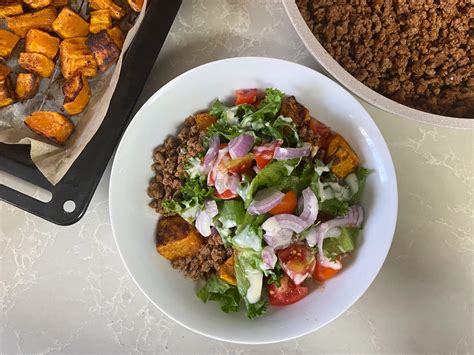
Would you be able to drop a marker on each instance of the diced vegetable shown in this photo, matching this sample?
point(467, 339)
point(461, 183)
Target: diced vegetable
point(286, 205)
point(51, 125)
point(38, 41)
point(117, 36)
point(104, 49)
point(4, 71)
point(8, 42)
point(287, 293)
point(10, 8)
point(204, 120)
point(37, 4)
point(322, 273)
point(115, 11)
point(298, 262)
point(136, 5)
point(76, 94)
point(76, 58)
point(41, 19)
point(7, 95)
point(70, 24)
point(36, 63)
point(344, 160)
point(100, 20)
point(226, 271)
point(320, 130)
point(27, 85)
point(176, 238)
point(294, 110)
point(245, 96)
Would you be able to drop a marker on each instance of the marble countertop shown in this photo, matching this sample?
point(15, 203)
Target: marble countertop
point(65, 290)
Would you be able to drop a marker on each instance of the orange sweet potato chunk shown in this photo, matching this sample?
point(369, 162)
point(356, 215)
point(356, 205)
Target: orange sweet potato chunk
point(226, 271)
point(76, 94)
point(38, 41)
point(70, 24)
point(27, 85)
point(41, 19)
point(8, 42)
point(344, 159)
point(51, 125)
point(36, 63)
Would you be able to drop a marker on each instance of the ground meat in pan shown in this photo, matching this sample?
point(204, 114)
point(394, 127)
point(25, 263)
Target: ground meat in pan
point(211, 255)
point(169, 163)
point(419, 53)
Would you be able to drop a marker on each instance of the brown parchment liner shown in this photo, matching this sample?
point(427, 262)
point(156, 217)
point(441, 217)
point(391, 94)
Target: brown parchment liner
point(54, 161)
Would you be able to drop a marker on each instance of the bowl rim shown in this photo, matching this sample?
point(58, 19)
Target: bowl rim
point(356, 87)
point(115, 172)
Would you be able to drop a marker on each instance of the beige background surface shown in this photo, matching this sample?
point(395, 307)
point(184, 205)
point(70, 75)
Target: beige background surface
point(64, 289)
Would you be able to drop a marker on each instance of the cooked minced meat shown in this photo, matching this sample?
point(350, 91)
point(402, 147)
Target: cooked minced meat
point(419, 53)
point(211, 255)
point(170, 159)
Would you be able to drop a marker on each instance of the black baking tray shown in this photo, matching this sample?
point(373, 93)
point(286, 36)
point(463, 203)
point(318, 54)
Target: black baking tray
point(81, 180)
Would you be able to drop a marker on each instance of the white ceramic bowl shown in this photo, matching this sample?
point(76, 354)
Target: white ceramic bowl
point(358, 88)
point(134, 222)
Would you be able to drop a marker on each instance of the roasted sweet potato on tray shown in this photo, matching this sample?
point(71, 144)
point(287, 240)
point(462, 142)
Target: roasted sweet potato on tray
point(37, 4)
point(104, 49)
point(8, 42)
point(136, 5)
point(226, 271)
point(10, 8)
point(204, 120)
point(59, 3)
point(76, 94)
point(100, 20)
point(27, 85)
point(41, 19)
point(51, 125)
point(7, 96)
point(294, 110)
point(117, 36)
point(70, 24)
point(36, 63)
point(76, 58)
point(4, 71)
point(38, 41)
point(115, 11)
point(177, 238)
point(344, 159)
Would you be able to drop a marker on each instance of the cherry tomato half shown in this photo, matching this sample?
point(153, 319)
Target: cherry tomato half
point(240, 165)
point(226, 195)
point(287, 204)
point(264, 154)
point(322, 273)
point(298, 261)
point(245, 96)
point(287, 293)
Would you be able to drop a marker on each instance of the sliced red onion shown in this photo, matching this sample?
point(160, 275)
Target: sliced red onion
point(265, 200)
point(290, 153)
point(268, 147)
point(274, 224)
point(203, 223)
point(317, 234)
point(226, 181)
point(211, 208)
point(279, 240)
point(222, 155)
point(211, 152)
point(241, 145)
point(310, 206)
point(269, 258)
point(233, 182)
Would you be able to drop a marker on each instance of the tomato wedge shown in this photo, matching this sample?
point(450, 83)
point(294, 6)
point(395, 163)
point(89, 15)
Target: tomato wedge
point(245, 96)
point(240, 165)
point(226, 195)
point(264, 154)
point(321, 130)
point(287, 293)
point(298, 261)
point(322, 273)
point(287, 204)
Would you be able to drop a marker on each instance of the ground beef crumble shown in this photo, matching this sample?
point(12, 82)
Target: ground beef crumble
point(211, 255)
point(419, 53)
point(170, 160)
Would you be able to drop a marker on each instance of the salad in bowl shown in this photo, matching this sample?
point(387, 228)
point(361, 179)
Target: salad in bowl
point(258, 200)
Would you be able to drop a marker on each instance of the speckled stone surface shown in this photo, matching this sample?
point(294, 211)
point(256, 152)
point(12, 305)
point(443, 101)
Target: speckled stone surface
point(65, 290)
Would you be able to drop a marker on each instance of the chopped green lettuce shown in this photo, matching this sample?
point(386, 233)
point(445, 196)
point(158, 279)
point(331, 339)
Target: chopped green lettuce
point(344, 243)
point(231, 213)
point(361, 174)
point(217, 290)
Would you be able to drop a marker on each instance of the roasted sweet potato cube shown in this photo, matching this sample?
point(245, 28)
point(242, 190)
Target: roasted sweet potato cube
point(177, 238)
point(4, 71)
point(115, 11)
point(344, 159)
point(41, 19)
point(51, 125)
point(36, 63)
point(100, 20)
point(38, 41)
point(76, 58)
point(10, 8)
point(59, 3)
point(76, 94)
point(27, 85)
point(226, 271)
point(136, 5)
point(37, 4)
point(294, 110)
point(8, 42)
point(204, 120)
point(70, 24)
point(104, 49)
point(117, 36)
point(7, 96)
